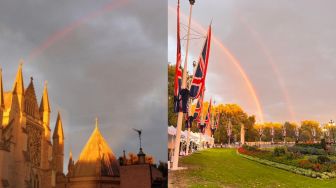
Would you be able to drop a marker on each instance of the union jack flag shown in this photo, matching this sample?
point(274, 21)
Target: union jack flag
point(198, 109)
point(201, 127)
point(178, 69)
point(198, 80)
point(208, 116)
point(188, 121)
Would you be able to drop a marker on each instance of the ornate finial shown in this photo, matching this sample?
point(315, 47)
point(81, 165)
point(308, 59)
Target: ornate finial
point(139, 131)
point(21, 62)
point(192, 2)
point(31, 79)
point(70, 153)
point(96, 122)
point(46, 83)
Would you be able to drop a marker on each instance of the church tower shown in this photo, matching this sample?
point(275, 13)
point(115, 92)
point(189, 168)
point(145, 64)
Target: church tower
point(58, 146)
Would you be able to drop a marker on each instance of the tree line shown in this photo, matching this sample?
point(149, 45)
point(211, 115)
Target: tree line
point(232, 117)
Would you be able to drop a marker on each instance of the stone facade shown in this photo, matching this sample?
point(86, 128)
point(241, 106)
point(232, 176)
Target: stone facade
point(25, 146)
point(28, 158)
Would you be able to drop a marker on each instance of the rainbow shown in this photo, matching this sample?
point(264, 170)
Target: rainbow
point(62, 33)
point(270, 60)
point(236, 63)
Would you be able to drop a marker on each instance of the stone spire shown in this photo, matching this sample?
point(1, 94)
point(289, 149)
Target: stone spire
point(58, 146)
point(58, 132)
point(45, 111)
point(71, 165)
point(44, 105)
point(96, 125)
point(30, 100)
point(18, 87)
point(70, 154)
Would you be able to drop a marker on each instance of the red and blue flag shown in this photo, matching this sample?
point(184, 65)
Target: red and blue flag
point(178, 70)
point(198, 109)
point(198, 80)
point(208, 116)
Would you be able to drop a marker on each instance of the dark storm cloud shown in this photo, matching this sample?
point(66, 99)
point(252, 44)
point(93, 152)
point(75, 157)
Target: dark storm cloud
point(298, 35)
point(111, 66)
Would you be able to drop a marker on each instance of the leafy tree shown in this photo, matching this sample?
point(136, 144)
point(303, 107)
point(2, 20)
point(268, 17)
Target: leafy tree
point(233, 113)
point(308, 127)
point(290, 129)
point(172, 116)
point(277, 131)
point(251, 134)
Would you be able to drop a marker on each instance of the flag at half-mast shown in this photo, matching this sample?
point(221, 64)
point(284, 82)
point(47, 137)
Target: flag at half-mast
point(178, 69)
point(208, 115)
point(199, 105)
point(198, 80)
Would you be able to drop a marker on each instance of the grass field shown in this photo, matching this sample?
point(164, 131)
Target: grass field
point(224, 168)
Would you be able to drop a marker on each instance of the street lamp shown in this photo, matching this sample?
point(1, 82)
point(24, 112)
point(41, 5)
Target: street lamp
point(314, 134)
point(284, 133)
point(332, 126)
point(229, 132)
point(297, 133)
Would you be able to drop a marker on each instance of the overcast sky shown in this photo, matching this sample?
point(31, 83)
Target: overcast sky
point(286, 48)
point(105, 60)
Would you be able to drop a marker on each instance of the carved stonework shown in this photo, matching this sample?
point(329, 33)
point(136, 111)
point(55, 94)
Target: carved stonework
point(6, 136)
point(34, 144)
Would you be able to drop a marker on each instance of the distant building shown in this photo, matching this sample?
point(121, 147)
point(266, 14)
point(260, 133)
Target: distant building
point(28, 158)
point(96, 167)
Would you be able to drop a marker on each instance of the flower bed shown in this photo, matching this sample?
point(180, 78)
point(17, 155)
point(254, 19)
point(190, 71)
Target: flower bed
point(318, 167)
point(307, 150)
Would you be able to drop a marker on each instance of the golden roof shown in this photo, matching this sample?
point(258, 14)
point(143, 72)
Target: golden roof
point(97, 158)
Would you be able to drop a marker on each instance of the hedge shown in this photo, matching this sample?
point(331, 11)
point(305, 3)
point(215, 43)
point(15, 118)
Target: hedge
point(296, 170)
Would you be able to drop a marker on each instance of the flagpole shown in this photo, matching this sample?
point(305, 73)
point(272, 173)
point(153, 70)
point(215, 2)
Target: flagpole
point(184, 84)
point(188, 138)
point(202, 120)
point(189, 126)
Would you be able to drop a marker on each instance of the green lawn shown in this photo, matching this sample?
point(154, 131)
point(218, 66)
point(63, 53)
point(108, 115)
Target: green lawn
point(224, 168)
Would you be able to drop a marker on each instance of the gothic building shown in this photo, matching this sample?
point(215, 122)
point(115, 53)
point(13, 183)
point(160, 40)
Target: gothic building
point(31, 158)
point(26, 151)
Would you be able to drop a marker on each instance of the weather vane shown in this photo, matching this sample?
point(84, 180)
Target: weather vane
point(139, 133)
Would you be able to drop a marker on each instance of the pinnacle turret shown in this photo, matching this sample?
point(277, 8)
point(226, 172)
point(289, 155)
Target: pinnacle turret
point(44, 105)
point(58, 132)
point(18, 87)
